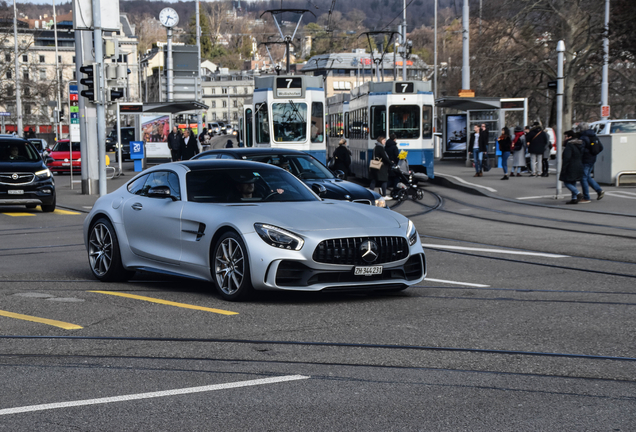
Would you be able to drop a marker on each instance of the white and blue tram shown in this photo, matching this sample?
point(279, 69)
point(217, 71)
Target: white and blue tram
point(404, 108)
point(337, 109)
point(286, 112)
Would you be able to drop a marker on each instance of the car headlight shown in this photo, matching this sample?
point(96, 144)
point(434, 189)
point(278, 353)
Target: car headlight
point(411, 233)
point(44, 174)
point(380, 202)
point(278, 237)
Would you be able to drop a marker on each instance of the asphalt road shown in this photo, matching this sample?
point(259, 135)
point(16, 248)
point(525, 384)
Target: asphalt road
point(525, 322)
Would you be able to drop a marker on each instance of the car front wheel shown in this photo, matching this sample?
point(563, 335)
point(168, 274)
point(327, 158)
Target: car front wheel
point(231, 268)
point(104, 255)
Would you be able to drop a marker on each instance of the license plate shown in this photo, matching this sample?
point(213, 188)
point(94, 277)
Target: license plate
point(368, 271)
point(16, 192)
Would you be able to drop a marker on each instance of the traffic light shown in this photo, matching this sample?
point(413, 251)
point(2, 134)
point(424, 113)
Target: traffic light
point(61, 114)
point(92, 77)
point(115, 94)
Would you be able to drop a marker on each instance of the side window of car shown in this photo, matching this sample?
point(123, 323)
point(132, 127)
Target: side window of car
point(226, 156)
point(163, 178)
point(135, 187)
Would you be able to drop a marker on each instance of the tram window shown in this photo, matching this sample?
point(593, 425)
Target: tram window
point(378, 121)
point(404, 121)
point(427, 122)
point(346, 125)
point(248, 128)
point(317, 123)
point(262, 124)
point(289, 121)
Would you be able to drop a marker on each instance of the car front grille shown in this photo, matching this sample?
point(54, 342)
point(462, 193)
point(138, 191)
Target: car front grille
point(16, 178)
point(347, 250)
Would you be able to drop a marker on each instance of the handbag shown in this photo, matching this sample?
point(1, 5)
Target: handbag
point(485, 163)
point(375, 163)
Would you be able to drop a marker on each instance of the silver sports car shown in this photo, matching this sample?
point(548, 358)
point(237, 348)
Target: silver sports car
point(247, 225)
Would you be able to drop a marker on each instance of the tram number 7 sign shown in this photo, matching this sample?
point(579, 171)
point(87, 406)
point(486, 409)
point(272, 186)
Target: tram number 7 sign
point(404, 87)
point(286, 87)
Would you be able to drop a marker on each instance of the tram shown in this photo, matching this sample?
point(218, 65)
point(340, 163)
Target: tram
point(286, 112)
point(404, 108)
point(337, 110)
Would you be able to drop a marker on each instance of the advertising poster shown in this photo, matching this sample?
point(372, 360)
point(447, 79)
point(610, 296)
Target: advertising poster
point(154, 131)
point(456, 138)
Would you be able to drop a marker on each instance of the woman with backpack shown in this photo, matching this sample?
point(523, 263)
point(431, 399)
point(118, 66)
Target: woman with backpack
point(518, 151)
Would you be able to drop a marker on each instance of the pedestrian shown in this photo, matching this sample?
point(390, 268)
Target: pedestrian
point(29, 133)
point(475, 147)
point(204, 138)
point(175, 141)
point(392, 152)
point(572, 168)
point(380, 175)
point(505, 145)
point(545, 163)
point(342, 157)
point(190, 146)
point(592, 147)
point(518, 151)
point(229, 144)
point(536, 140)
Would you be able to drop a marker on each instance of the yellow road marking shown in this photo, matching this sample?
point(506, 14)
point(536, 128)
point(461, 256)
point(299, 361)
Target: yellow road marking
point(62, 324)
point(65, 212)
point(166, 302)
point(18, 214)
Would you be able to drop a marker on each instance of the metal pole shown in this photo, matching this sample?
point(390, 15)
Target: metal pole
point(435, 70)
point(98, 47)
point(465, 48)
point(605, 83)
point(119, 141)
point(18, 97)
point(404, 42)
point(559, 95)
point(198, 76)
point(170, 87)
point(57, 80)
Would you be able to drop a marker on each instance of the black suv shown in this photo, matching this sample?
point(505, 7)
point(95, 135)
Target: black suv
point(24, 178)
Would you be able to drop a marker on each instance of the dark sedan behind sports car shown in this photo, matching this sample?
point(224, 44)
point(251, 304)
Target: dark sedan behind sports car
point(305, 167)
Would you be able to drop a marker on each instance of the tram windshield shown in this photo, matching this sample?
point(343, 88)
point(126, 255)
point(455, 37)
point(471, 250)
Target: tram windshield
point(404, 121)
point(290, 121)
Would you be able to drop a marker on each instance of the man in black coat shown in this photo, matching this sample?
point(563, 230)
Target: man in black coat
point(392, 152)
point(572, 168)
point(175, 141)
point(537, 140)
point(592, 147)
point(190, 145)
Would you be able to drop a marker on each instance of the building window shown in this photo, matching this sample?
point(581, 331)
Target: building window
point(27, 108)
point(224, 104)
point(213, 104)
point(246, 90)
point(25, 58)
point(43, 74)
point(9, 90)
point(235, 102)
point(213, 116)
point(74, 75)
point(9, 75)
point(44, 110)
point(235, 116)
point(59, 59)
point(42, 60)
point(7, 57)
point(235, 90)
point(27, 91)
point(73, 59)
point(224, 90)
point(25, 75)
point(213, 90)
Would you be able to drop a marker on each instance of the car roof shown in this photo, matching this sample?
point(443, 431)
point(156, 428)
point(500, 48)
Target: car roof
point(8, 137)
point(205, 164)
point(254, 151)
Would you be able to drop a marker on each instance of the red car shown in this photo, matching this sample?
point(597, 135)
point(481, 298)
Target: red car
point(59, 159)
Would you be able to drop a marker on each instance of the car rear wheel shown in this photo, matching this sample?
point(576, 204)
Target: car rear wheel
point(231, 268)
point(104, 254)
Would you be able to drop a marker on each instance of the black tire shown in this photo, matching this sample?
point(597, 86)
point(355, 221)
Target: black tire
point(230, 268)
point(104, 256)
point(50, 208)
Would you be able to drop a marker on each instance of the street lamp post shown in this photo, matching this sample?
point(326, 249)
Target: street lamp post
point(58, 126)
point(559, 95)
point(18, 97)
point(605, 83)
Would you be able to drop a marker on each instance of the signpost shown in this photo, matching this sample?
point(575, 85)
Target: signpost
point(605, 111)
point(137, 154)
point(73, 103)
point(3, 115)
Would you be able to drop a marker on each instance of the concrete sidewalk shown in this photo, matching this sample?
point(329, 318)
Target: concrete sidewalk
point(531, 190)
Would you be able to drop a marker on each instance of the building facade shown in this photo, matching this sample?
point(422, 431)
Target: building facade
point(225, 95)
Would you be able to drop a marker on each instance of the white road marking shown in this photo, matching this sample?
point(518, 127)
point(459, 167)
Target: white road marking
point(175, 392)
point(465, 182)
point(544, 196)
point(501, 251)
point(621, 194)
point(456, 283)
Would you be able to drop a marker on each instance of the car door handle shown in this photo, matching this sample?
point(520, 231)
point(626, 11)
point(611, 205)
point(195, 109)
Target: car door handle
point(137, 206)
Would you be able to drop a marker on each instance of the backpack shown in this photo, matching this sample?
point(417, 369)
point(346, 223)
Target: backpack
point(595, 146)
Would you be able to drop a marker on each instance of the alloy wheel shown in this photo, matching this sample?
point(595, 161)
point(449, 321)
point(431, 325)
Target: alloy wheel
point(100, 249)
point(229, 264)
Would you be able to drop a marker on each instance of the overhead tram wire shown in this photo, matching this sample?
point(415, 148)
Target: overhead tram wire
point(326, 344)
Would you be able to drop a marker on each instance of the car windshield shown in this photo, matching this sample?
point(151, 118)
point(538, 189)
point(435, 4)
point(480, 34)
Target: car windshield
point(16, 151)
point(623, 127)
point(63, 146)
point(304, 167)
point(290, 121)
point(245, 186)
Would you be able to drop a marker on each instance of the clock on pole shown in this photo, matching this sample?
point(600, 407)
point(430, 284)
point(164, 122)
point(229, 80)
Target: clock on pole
point(168, 17)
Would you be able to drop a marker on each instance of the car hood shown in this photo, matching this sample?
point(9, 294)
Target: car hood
point(11, 167)
point(322, 215)
point(338, 189)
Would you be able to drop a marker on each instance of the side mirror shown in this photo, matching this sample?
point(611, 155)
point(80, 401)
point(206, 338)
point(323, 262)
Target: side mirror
point(340, 174)
point(319, 189)
point(160, 192)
